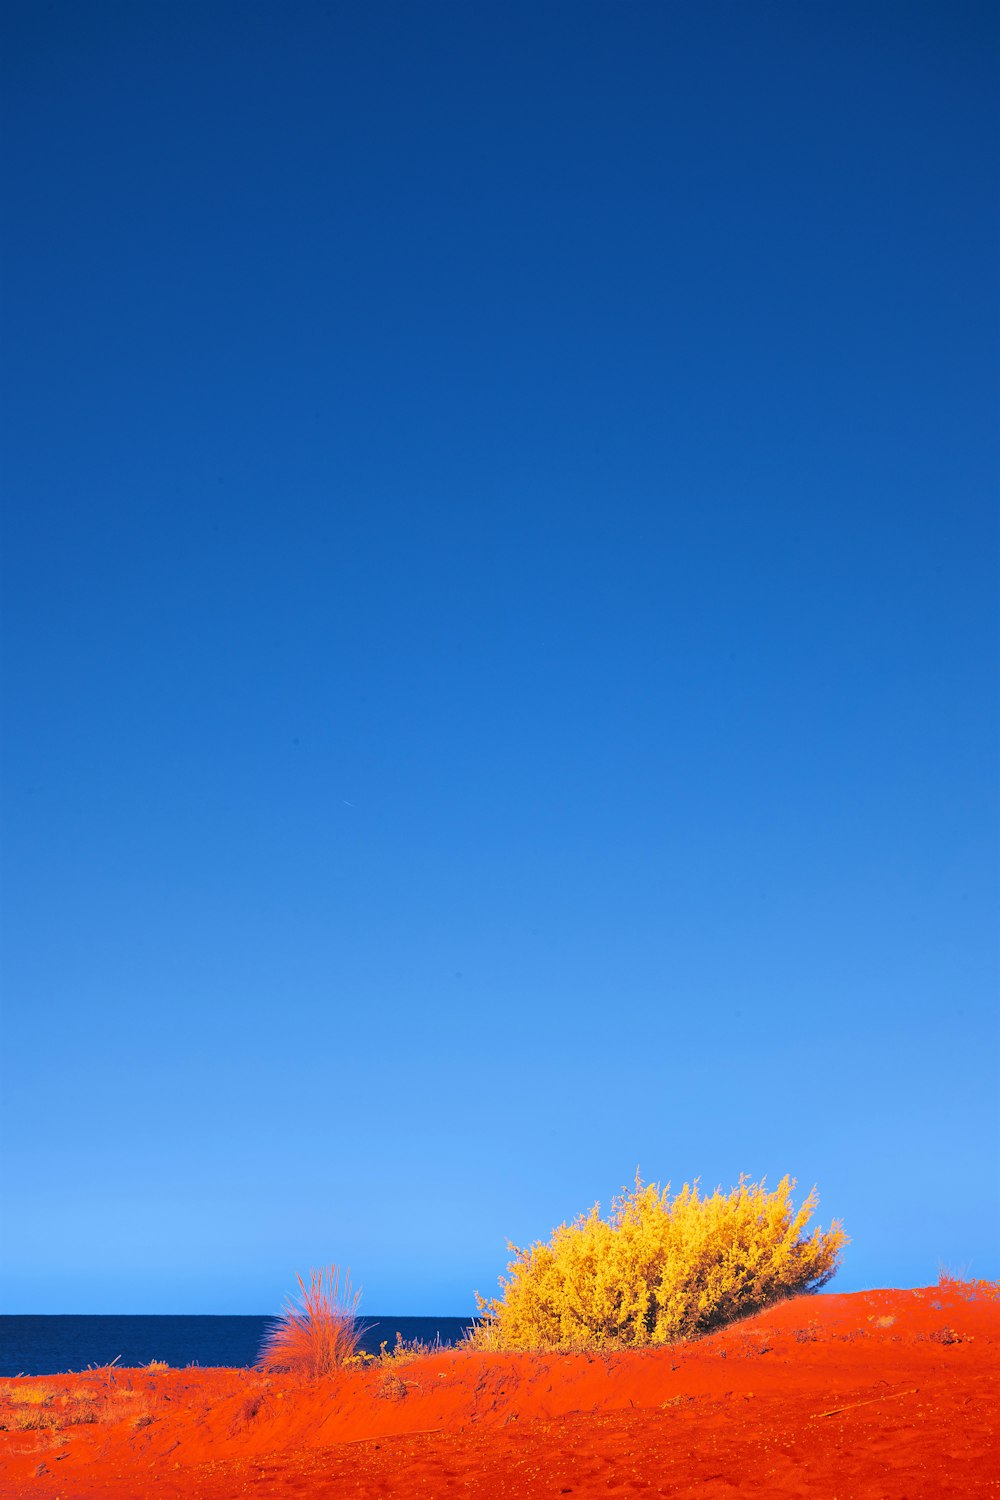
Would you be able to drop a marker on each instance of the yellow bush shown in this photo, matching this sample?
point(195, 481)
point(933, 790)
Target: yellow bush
point(658, 1270)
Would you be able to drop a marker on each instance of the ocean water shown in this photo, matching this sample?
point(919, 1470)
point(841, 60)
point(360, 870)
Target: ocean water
point(50, 1345)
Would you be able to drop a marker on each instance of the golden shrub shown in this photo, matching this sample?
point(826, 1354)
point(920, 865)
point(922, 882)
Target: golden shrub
point(658, 1270)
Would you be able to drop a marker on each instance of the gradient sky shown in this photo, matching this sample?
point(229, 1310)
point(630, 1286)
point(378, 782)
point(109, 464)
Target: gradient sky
point(500, 634)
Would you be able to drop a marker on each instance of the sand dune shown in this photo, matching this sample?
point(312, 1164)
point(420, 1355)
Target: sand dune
point(876, 1394)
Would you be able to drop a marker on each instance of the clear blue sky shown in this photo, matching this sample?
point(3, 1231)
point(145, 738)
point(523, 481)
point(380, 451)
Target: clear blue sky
point(500, 634)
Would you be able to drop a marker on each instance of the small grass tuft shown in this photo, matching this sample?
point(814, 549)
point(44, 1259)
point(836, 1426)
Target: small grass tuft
point(81, 1415)
point(392, 1388)
point(318, 1332)
point(250, 1408)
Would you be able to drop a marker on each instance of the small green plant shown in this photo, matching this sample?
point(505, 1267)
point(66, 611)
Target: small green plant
point(659, 1270)
point(318, 1331)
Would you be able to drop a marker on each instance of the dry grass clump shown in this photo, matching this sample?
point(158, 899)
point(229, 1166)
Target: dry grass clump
point(32, 1395)
point(81, 1414)
point(28, 1419)
point(318, 1331)
point(249, 1410)
point(392, 1387)
point(658, 1270)
point(35, 1408)
point(142, 1413)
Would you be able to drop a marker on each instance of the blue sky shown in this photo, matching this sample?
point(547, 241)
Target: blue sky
point(499, 602)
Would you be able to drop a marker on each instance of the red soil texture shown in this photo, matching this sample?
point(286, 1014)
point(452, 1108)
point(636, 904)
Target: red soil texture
point(870, 1394)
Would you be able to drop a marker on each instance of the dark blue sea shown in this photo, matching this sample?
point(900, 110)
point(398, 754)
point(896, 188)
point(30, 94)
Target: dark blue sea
point(37, 1345)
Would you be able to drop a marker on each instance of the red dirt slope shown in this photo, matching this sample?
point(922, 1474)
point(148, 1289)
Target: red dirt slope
point(879, 1394)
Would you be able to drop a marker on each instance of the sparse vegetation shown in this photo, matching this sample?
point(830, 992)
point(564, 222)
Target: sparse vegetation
point(28, 1419)
point(945, 1336)
point(659, 1270)
point(33, 1395)
point(959, 1284)
point(35, 1407)
point(318, 1331)
point(406, 1349)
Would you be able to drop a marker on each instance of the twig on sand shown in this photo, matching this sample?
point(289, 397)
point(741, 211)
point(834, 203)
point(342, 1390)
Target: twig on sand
point(890, 1396)
point(381, 1437)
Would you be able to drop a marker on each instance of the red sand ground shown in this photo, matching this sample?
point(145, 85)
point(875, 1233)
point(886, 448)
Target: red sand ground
point(885, 1394)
